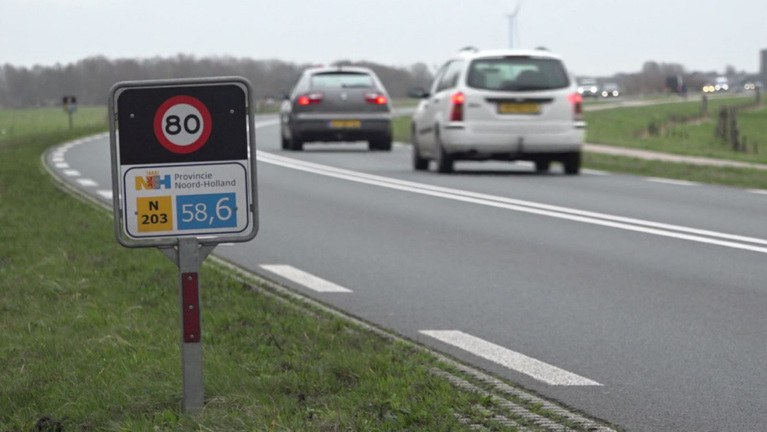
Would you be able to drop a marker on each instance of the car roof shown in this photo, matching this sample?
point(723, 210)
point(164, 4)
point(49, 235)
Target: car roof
point(473, 54)
point(354, 69)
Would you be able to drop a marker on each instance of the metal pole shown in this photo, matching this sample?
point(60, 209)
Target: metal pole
point(191, 328)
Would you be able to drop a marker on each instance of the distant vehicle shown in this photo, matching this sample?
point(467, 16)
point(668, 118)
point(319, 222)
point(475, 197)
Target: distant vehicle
point(499, 105)
point(674, 84)
point(610, 90)
point(721, 84)
point(338, 103)
point(588, 87)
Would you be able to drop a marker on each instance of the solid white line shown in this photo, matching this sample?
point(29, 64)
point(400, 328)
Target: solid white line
point(105, 194)
point(87, 182)
point(72, 173)
point(308, 280)
point(61, 165)
point(671, 182)
point(510, 359)
point(601, 219)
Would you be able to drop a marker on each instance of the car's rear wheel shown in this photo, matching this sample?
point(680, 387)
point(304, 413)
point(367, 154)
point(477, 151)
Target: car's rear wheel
point(419, 163)
point(283, 139)
point(444, 160)
point(542, 166)
point(572, 163)
point(380, 144)
point(296, 144)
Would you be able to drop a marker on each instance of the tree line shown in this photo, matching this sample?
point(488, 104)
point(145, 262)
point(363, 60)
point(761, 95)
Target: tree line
point(90, 79)
point(652, 77)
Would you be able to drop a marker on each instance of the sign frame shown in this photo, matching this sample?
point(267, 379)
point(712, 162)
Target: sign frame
point(118, 185)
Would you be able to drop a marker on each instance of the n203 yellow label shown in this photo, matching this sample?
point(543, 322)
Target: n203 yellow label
point(154, 214)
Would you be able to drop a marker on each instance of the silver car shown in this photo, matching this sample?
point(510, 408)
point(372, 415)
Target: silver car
point(337, 104)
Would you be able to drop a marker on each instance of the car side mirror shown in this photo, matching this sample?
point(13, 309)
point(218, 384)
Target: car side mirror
point(418, 93)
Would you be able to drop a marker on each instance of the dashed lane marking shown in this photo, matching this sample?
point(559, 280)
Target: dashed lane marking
point(310, 281)
point(671, 182)
point(87, 182)
point(72, 173)
point(107, 194)
point(510, 359)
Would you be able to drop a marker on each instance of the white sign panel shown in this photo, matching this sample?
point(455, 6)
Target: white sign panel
point(186, 200)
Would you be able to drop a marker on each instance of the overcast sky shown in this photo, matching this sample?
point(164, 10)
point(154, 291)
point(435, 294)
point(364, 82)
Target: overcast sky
point(596, 37)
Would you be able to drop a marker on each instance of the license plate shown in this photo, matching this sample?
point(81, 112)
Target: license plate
point(518, 108)
point(344, 124)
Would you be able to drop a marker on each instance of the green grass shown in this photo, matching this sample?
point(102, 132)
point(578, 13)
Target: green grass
point(628, 127)
point(726, 176)
point(90, 335)
point(15, 124)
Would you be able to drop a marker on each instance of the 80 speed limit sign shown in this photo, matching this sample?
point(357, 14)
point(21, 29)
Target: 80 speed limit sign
point(182, 124)
point(183, 155)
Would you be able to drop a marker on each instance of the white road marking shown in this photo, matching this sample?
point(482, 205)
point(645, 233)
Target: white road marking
point(61, 165)
point(594, 172)
point(601, 219)
point(757, 191)
point(105, 194)
point(308, 280)
point(72, 173)
point(510, 359)
point(671, 182)
point(87, 182)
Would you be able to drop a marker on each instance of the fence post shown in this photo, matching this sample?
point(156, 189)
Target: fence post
point(734, 130)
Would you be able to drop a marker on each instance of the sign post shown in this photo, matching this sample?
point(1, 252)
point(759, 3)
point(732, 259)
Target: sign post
point(70, 106)
point(184, 180)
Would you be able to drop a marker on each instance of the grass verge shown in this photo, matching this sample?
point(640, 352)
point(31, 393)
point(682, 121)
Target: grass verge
point(678, 128)
point(90, 335)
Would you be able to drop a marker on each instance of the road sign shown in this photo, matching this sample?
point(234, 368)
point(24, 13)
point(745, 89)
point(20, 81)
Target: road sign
point(183, 180)
point(183, 165)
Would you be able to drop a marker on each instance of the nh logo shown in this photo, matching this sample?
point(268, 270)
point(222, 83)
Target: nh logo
point(153, 180)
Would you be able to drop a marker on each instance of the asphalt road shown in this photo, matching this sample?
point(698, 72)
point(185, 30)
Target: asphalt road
point(639, 302)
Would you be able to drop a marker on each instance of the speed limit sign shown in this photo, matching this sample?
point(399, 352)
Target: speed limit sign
point(182, 124)
point(183, 161)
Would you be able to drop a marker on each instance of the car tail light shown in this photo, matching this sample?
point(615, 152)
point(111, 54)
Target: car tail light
point(577, 101)
point(457, 100)
point(310, 99)
point(376, 98)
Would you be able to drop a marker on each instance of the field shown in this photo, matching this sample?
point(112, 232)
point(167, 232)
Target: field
point(678, 128)
point(15, 124)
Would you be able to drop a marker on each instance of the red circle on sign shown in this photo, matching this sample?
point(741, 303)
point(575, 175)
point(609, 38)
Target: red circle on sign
point(206, 124)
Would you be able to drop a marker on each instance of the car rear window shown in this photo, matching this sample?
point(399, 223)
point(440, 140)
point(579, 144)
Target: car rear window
point(342, 79)
point(517, 74)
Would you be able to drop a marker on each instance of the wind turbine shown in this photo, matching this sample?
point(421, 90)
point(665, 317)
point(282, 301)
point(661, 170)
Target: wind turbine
point(513, 31)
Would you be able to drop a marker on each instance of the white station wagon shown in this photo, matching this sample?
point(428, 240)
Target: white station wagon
point(500, 105)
